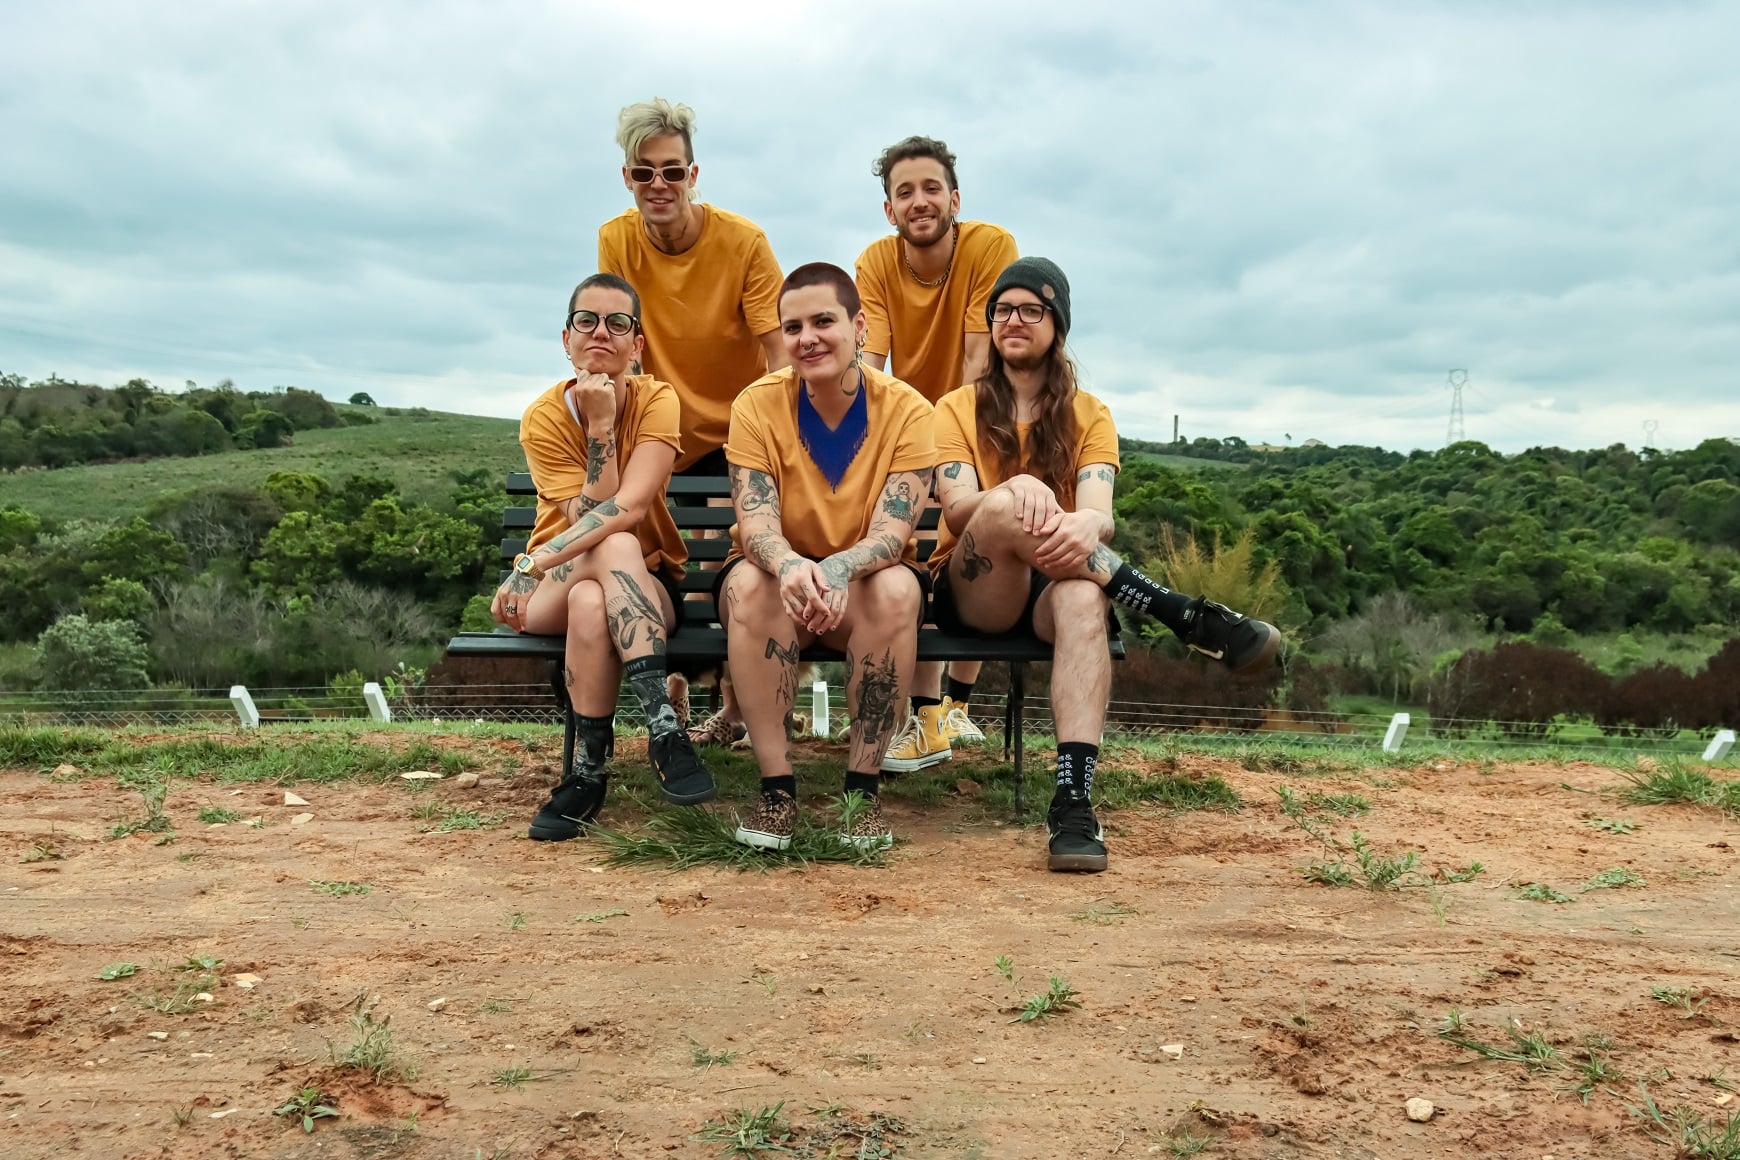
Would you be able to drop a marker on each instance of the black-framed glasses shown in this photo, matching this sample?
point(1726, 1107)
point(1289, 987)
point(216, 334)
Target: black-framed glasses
point(1032, 313)
point(618, 323)
point(673, 174)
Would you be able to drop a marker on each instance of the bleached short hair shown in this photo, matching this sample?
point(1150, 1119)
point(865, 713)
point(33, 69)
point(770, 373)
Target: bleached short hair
point(654, 118)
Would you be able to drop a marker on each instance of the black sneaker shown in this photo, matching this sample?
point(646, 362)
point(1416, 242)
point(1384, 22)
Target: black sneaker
point(575, 802)
point(1232, 638)
point(684, 779)
point(1077, 842)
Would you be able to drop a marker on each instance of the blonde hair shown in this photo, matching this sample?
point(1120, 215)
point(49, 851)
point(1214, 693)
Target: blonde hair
point(654, 118)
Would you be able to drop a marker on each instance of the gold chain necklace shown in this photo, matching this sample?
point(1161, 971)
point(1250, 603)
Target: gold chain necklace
point(954, 244)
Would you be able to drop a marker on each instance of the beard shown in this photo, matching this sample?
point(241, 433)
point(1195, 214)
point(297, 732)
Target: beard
point(945, 226)
point(1027, 361)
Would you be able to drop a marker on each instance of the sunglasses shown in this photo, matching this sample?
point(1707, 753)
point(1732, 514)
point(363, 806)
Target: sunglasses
point(673, 174)
point(586, 321)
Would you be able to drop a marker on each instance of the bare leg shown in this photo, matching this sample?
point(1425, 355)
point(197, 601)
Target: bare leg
point(592, 672)
point(1071, 615)
point(880, 638)
point(762, 646)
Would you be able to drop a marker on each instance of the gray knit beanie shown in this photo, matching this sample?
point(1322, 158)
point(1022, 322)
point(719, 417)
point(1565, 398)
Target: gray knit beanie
point(1041, 276)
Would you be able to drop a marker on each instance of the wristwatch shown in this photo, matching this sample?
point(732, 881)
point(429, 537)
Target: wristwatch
point(527, 565)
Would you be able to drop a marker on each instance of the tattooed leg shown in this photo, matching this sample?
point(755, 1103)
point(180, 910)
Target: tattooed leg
point(880, 638)
point(593, 674)
point(762, 645)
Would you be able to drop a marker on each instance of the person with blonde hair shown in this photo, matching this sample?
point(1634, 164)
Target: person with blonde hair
point(1025, 465)
point(709, 288)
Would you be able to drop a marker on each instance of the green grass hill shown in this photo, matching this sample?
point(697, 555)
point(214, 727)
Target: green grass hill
point(416, 449)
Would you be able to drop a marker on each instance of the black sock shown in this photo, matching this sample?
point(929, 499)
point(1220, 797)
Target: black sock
point(960, 692)
point(646, 676)
point(919, 702)
point(785, 783)
point(865, 783)
point(1135, 591)
point(594, 736)
point(1075, 768)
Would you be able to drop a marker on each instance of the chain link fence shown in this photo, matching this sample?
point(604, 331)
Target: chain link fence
point(534, 704)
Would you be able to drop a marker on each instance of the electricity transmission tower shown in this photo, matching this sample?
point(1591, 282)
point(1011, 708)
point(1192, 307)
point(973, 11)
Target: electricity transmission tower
point(1649, 429)
point(1457, 433)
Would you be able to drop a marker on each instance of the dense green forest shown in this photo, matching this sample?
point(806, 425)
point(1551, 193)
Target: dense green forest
point(283, 565)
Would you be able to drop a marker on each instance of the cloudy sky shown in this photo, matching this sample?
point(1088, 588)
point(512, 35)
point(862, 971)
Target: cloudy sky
point(1280, 219)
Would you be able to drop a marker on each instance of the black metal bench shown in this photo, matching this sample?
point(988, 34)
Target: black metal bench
point(701, 639)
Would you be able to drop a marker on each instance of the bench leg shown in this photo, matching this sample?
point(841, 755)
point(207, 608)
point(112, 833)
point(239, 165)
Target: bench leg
point(1017, 730)
point(570, 726)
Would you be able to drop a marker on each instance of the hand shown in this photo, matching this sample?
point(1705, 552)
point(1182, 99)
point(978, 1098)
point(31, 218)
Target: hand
point(1070, 543)
point(837, 577)
point(1036, 508)
point(595, 399)
point(801, 592)
point(512, 601)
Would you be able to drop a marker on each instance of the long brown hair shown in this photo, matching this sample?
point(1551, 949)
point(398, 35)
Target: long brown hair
point(1050, 440)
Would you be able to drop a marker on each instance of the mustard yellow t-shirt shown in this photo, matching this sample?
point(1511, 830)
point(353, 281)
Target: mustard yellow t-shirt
point(701, 311)
point(1096, 441)
point(923, 328)
point(818, 520)
point(555, 445)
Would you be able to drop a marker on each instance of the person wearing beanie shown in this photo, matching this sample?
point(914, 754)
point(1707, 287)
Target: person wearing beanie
point(924, 289)
point(1025, 466)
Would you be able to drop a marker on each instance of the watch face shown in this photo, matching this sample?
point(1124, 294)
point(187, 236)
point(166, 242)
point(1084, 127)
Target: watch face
point(524, 564)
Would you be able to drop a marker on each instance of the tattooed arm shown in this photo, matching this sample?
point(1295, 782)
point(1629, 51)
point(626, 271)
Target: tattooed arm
point(643, 477)
point(1079, 532)
point(903, 496)
point(594, 398)
point(755, 497)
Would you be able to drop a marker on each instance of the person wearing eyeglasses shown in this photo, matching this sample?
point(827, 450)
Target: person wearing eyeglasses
point(604, 558)
point(711, 290)
point(924, 290)
point(1025, 465)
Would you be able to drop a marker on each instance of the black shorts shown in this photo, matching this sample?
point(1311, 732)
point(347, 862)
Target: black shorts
point(918, 574)
point(948, 613)
point(712, 463)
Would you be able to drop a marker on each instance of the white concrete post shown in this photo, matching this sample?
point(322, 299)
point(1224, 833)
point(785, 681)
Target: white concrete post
point(1720, 745)
point(819, 709)
point(244, 703)
point(1398, 730)
point(377, 702)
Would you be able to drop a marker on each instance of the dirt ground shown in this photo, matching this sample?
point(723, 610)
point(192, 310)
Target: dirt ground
point(1223, 996)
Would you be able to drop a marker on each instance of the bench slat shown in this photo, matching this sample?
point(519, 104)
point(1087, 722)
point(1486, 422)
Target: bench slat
point(707, 642)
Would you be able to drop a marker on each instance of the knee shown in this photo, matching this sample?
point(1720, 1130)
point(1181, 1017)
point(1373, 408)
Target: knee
point(892, 596)
point(1079, 606)
point(586, 607)
point(750, 596)
point(619, 546)
point(995, 512)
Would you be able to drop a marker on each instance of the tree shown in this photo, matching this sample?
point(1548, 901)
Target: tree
point(361, 399)
point(76, 653)
point(134, 551)
point(122, 600)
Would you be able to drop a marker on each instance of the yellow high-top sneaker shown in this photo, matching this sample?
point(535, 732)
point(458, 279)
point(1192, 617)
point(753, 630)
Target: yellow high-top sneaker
point(920, 744)
point(957, 726)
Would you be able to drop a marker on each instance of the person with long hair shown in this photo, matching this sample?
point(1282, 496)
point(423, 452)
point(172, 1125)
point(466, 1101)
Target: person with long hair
point(604, 558)
point(1025, 465)
point(830, 464)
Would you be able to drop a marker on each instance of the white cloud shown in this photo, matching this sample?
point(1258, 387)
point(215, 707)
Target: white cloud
point(1276, 218)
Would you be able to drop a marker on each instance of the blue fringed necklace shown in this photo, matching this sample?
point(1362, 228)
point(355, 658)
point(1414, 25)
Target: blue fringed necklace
point(832, 449)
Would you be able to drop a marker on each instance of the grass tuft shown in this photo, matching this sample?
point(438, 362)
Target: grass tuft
point(1675, 781)
point(685, 838)
point(746, 1133)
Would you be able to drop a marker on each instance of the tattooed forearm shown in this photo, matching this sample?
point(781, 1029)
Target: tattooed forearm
point(753, 491)
point(598, 453)
point(973, 564)
point(588, 523)
point(629, 611)
point(878, 551)
point(770, 550)
point(1102, 561)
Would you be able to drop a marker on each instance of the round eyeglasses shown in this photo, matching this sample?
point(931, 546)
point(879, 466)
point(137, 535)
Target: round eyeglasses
point(586, 321)
point(673, 174)
point(1032, 313)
